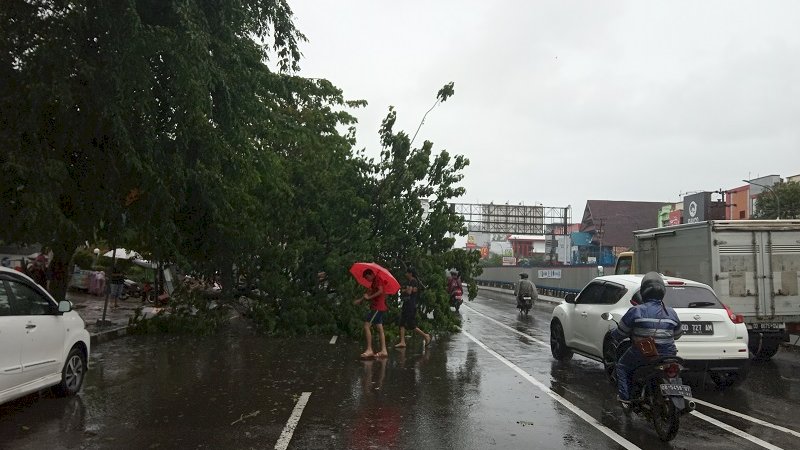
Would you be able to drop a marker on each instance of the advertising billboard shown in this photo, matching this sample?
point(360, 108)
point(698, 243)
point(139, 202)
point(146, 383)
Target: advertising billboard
point(696, 206)
point(675, 217)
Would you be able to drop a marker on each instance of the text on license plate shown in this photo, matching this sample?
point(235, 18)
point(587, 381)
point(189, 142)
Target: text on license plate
point(676, 389)
point(697, 327)
point(767, 326)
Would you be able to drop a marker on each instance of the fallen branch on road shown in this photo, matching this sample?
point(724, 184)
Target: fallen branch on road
point(242, 417)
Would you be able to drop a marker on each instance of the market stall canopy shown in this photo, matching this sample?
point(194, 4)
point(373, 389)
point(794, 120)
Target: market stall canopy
point(145, 263)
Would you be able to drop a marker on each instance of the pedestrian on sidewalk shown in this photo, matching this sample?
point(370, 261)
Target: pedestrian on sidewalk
point(117, 284)
point(408, 314)
point(39, 269)
point(377, 309)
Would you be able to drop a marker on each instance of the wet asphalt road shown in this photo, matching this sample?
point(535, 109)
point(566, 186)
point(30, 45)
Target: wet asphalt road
point(485, 388)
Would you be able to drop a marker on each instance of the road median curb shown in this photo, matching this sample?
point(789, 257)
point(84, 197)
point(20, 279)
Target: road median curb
point(98, 337)
point(509, 293)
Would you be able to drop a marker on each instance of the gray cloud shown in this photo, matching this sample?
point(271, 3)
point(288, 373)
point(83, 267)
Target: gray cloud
point(562, 101)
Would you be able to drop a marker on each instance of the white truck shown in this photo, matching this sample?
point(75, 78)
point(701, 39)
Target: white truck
point(752, 265)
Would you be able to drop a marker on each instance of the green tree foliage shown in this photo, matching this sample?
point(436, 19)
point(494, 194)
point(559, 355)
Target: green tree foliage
point(134, 121)
point(181, 129)
point(788, 197)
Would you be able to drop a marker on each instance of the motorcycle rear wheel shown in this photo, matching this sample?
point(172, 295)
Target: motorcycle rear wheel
point(665, 417)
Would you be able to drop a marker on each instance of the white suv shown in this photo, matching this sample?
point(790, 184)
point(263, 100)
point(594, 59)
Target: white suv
point(714, 338)
point(43, 343)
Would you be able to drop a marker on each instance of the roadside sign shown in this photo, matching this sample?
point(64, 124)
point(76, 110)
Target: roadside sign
point(550, 273)
point(509, 261)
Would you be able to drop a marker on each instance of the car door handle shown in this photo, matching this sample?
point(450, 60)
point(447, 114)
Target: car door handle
point(584, 314)
point(30, 326)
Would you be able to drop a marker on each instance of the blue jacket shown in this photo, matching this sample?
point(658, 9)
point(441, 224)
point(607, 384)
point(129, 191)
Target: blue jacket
point(655, 319)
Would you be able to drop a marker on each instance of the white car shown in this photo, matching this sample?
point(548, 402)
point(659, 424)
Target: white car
point(42, 343)
point(714, 338)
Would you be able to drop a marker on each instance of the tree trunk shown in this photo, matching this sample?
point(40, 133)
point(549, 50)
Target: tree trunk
point(61, 269)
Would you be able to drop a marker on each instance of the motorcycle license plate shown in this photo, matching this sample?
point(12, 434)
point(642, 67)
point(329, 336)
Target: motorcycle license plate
point(676, 389)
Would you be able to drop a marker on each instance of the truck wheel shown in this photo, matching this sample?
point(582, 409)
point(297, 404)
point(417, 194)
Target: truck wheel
point(727, 380)
point(763, 349)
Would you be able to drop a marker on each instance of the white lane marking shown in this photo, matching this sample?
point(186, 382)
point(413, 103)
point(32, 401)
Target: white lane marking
point(333, 340)
point(746, 417)
point(700, 402)
point(542, 343)
point(291, 424)
point(735, 431)
point(566, 403)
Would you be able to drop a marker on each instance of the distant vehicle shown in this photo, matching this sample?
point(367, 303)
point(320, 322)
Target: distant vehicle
point(44, 343)
point(753, 265)
point(714, 338)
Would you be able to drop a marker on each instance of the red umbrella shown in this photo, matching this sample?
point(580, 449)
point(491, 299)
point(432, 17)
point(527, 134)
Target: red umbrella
point(389, 283)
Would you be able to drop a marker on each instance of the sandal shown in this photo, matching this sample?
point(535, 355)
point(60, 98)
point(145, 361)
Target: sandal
point(400, 346)
point(381, 355)
point(367, 355)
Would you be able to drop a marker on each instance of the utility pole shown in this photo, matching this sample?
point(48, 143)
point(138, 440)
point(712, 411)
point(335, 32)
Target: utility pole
point(600, 236)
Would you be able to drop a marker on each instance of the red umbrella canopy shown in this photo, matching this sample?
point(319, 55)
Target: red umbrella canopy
point(389, 283)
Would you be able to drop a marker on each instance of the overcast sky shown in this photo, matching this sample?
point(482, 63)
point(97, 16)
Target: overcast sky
point(558, 102)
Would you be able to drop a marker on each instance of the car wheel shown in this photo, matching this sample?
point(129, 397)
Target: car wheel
point(558, 346)
point(610, 360)
point(73, 373)
point(727, 380)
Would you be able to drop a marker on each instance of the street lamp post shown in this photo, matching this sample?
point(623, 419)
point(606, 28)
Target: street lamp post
point(771, 191)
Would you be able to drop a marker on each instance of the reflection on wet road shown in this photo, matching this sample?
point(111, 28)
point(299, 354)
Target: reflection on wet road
point(495, 385)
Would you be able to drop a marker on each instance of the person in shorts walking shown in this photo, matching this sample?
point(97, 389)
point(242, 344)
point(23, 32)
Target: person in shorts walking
point(408, 315)
point(117, 283)
point(377, 309)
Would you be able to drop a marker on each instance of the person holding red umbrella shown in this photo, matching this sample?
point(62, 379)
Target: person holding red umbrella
point(377, 309)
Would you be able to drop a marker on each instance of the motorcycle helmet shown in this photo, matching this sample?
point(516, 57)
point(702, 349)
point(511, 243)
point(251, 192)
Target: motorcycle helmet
point(653, 287)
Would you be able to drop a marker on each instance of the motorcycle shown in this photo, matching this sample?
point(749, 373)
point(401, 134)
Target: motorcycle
point(456, 298)
point(525, 305)
point(657, 392)
point(130, 289)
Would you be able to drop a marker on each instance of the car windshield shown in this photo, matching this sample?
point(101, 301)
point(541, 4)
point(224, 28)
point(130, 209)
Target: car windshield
point(691, 297)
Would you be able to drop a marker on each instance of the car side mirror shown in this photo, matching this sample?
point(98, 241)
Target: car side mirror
point(607, 316)
point(570, 298)
point(64, 306)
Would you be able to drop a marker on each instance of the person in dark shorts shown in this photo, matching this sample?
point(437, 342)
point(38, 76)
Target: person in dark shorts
point(117, 284)
point(408, 315)
point(377, 309)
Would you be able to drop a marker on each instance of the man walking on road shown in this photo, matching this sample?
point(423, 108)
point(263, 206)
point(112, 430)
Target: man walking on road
point(377, 309)
point(408, 315)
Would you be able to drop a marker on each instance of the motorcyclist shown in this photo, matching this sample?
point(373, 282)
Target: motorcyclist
point(525, 288)
point(454, 284)
point(653, 319)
